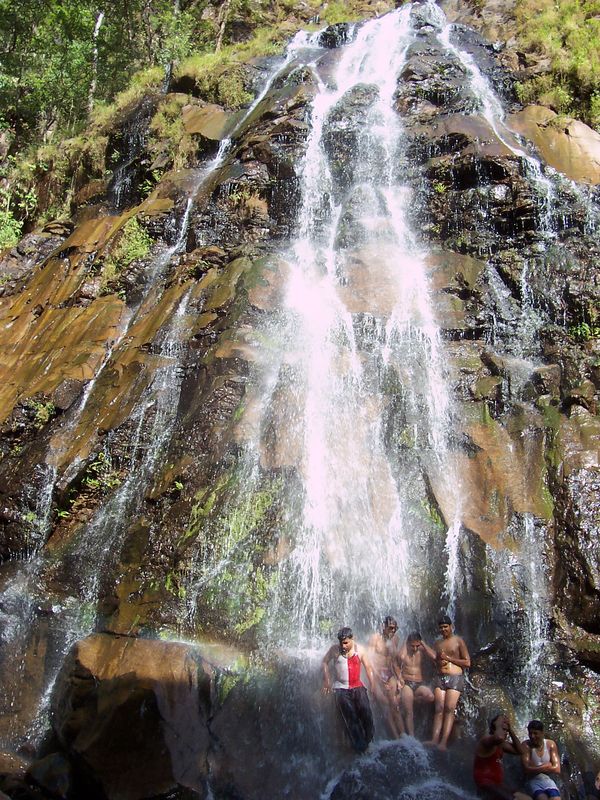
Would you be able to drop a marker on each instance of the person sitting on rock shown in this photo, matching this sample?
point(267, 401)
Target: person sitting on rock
point(412, 686)
point(350, 692)
point(540, 760)
point(488, 770)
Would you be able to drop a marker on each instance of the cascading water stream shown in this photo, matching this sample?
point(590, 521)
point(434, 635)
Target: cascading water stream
point(99, 544)
point(519, 352)
point(351, 554)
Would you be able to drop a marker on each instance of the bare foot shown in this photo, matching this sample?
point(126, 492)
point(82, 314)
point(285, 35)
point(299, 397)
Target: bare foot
point(430, 743)
point(442, 748)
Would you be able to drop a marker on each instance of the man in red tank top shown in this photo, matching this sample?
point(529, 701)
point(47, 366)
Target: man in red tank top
point(350, 693)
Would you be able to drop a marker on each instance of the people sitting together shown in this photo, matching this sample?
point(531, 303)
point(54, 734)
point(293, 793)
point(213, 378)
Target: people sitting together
point(395, 673)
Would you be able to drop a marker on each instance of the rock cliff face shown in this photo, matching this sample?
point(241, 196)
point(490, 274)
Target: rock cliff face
point(177, 457)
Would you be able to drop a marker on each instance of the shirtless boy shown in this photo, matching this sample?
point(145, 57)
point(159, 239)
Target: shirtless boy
point(540, 761)
point(451, 658)
point(383, 649)
point(412, 686)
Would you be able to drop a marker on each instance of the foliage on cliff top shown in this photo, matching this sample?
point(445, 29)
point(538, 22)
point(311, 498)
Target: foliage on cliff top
point(567, 32)
point(67, 73)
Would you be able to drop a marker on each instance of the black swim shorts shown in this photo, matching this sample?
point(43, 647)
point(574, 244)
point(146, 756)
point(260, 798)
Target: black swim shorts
point(456, 682)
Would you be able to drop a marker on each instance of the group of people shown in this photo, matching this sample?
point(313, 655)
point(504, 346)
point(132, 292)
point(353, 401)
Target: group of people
point(539, 757)
point(396, 675)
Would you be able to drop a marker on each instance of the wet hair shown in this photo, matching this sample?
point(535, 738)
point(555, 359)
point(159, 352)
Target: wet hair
point(389, 621)
point(345, 633)
point(415, 636)
point(535, 725)
point(444, 620)
point(494, 720)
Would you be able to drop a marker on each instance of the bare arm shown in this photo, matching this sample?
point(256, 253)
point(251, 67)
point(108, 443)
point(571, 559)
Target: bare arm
point(368, 669)
point(397, 661)
point(429, 650)
point(554, 766)
point(325, 669)
point(514, 746)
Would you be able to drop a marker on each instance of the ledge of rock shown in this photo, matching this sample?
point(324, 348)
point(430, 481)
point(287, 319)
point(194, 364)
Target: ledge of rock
point(570, 146)
point(109, 681)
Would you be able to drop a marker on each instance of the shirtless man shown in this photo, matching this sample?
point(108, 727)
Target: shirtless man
point(350, 692)
point(411, 685)
point(540, 760)
point(383, 648)
point(488, 771)
point(451, 657)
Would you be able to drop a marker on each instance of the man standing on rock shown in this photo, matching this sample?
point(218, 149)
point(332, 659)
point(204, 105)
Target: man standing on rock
point(452, 658)
point(540, 760)
point(383, 650)
point(350, 692)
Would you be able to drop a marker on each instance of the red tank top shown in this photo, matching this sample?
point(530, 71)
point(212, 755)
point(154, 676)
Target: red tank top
point(488, 770)
point(347, 672)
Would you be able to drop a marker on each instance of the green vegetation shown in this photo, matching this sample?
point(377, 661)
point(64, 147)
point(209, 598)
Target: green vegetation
point(567, 33)
point(168, 137)
point(219, 76)
point(43, 412)
point(10, 228)
point(432, 512)
point(583, 331)
point(233, 534)
point(338, 11)
point(100, 475)
point(133, 243)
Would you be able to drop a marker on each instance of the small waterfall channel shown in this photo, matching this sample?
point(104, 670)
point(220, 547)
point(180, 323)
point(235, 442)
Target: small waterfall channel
point(93, 556)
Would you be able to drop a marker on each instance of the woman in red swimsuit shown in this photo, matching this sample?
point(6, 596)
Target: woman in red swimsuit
point(488, 771)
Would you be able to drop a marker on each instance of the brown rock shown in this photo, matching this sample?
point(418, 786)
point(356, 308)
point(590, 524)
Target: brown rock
point(134, 712)
point(570, 147)
point(209, 120)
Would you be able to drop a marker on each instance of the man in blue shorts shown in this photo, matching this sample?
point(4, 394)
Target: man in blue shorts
point(540, 760)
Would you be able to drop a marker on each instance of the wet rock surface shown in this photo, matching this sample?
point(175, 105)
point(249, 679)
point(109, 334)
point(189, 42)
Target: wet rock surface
point(103, 357)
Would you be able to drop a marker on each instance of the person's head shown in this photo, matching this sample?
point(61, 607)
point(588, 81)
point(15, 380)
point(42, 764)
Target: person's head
point(500, 721)
point(345, 638)
point(445, 626)
point(390, 626)
point(535, 729)
point(414, 641)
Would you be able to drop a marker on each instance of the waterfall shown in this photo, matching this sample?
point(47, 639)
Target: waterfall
point(359, 464)
point(91, 558)
point(356, 525)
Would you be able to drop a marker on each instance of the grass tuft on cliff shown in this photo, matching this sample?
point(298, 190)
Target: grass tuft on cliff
point(567, 33)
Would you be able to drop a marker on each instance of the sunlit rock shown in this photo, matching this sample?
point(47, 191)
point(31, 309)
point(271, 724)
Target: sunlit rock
point(566, 144)
point(105, 684)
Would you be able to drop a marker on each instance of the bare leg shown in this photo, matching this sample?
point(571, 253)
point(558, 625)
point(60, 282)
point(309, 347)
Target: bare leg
point(439, 696)
point(424, 695)
point(395, 720)
point(386, 698)
point(451, 701)
point(407, 709)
